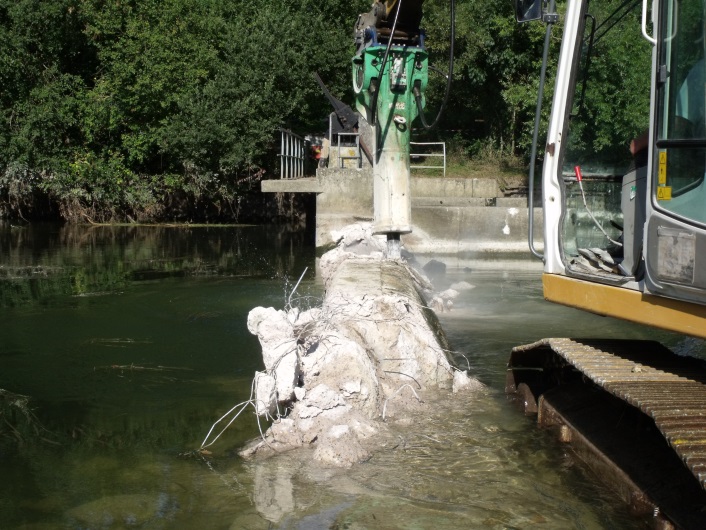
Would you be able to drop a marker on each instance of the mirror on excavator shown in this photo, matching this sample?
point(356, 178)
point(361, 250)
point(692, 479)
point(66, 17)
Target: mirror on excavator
point(528, 10)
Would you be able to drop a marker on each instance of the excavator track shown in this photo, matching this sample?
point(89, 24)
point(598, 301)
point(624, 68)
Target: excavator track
point(588, 388)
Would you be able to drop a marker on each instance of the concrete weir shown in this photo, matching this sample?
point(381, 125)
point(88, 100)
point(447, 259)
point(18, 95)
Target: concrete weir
point(337, 374)
point(450, 215)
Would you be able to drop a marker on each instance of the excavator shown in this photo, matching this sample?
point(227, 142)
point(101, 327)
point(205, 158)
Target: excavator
point(624, 204)
point(623, 197)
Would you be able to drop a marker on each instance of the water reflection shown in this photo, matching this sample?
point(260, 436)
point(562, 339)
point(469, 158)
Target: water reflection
point(131, 341)
point(41, 261)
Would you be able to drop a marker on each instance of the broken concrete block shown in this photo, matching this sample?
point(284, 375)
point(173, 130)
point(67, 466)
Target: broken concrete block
point(340, 447)
point(265, 396)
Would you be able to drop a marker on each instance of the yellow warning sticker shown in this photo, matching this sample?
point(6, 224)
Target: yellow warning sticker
point(664, 193)
point(662, 174)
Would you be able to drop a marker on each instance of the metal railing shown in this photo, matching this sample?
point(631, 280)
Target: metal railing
point(441, 155)
point(292, 155)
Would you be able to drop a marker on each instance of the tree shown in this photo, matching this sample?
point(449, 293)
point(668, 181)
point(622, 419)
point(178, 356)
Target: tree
point(112, 106)
point(116, 109)
point(496, 72)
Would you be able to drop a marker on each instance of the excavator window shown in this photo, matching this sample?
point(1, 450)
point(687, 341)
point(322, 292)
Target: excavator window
point(680, 160)
point(609, 108)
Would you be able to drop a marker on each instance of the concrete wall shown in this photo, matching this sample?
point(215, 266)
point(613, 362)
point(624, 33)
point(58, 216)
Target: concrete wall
point(449, 215)
point(454, 187)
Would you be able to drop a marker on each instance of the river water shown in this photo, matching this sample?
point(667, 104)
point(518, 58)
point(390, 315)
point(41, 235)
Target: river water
point(131, 341)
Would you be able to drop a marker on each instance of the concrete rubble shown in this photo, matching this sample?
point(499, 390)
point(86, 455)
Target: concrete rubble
point(336, 374)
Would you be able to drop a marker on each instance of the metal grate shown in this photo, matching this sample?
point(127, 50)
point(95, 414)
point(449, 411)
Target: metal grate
point(424, 155)
point(292, 149)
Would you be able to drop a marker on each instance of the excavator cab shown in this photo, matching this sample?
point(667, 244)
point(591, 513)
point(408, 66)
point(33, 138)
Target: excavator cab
point(624, 196)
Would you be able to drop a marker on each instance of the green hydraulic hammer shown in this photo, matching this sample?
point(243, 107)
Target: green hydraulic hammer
point(390, 72)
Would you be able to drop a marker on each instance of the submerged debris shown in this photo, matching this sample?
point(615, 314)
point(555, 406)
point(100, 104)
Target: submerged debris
point(17, 420)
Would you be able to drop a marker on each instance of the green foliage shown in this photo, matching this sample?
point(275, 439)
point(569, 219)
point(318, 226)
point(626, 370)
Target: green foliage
point(496, 73)
point(264, 82)
point(116, 109)
point(146, 109)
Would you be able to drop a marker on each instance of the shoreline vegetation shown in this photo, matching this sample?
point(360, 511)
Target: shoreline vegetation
point(169, 110)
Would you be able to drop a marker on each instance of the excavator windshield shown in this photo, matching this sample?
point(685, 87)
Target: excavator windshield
point(610, 104)
point(608, 111)
point(681, 132)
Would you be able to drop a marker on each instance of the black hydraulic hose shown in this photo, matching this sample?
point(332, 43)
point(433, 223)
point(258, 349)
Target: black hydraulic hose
point(615, 17)
point(535, 140)
point(374, 102)
point(449, 77)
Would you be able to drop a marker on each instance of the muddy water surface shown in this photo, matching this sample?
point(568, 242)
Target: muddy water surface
point(130, 342)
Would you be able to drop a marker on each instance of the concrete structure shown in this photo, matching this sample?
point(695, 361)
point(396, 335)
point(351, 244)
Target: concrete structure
point(372, 353)
point(450, 215)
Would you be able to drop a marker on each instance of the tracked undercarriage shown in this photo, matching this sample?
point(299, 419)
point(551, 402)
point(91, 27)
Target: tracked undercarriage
point(633, 410)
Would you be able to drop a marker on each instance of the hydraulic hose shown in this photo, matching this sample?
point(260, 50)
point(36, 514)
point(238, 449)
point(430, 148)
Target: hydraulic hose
point(535, 134)
point(374, 102)
point(449, 77)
